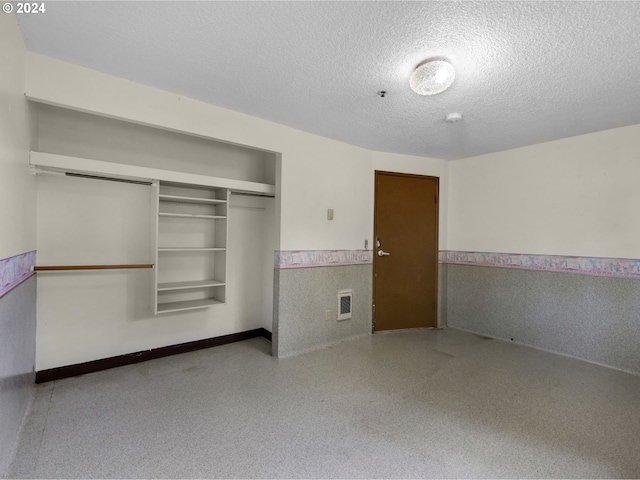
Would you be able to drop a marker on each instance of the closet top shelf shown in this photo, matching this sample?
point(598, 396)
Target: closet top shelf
point(49, 162)
point(182, 199)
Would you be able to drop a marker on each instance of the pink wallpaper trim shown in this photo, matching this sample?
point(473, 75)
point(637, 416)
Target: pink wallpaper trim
point(321, 258)
point(601, 266)
point(15, 270)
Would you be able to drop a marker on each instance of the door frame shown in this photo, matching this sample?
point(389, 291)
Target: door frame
point(374, 246)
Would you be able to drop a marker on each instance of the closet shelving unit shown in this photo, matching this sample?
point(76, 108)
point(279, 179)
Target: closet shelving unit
point(189, 231)
point(191, 247)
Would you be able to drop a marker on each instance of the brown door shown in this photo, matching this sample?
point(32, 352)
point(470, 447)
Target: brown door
point(405, 260)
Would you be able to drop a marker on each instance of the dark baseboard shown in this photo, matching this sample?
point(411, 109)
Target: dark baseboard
point(265, 333)
point(137, 357)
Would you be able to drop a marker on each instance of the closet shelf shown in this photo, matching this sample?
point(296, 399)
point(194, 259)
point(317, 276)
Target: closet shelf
point(191, 215)
point(49, 162)
point(191, 249)
point(187, 305)
point(163, 287)
point(182, 199)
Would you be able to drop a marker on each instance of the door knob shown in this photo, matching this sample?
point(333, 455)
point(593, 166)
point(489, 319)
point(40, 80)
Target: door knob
point(382, 254)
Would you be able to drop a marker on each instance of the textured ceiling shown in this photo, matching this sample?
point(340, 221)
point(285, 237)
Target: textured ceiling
point(526, 72)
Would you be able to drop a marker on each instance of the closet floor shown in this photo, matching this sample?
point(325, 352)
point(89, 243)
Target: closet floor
point(414, 404)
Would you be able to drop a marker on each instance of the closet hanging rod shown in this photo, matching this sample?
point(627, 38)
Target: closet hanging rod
point(109, 179)
point(50, 268)
point(251, 194)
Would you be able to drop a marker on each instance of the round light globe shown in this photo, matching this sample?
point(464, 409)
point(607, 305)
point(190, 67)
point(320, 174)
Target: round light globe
point(432, 77)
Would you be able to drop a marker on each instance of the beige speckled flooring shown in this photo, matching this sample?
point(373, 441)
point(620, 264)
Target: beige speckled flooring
point(411, 405)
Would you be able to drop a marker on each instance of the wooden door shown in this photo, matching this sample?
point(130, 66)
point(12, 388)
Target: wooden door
point(405, 265)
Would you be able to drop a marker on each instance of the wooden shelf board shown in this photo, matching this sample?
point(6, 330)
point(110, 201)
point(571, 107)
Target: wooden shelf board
point(189, 215)
point(43, 268)
point(182, 199)
point(187, 305)
point(162, 287)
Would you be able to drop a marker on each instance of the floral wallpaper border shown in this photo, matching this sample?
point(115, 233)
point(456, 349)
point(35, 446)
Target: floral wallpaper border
point(15, 270)
point(321, 258)
point(602, 266)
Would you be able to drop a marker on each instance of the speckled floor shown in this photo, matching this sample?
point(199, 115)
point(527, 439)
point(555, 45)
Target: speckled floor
point(411, 405)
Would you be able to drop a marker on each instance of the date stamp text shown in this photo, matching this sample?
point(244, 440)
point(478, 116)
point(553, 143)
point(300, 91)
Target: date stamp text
point(24, 7)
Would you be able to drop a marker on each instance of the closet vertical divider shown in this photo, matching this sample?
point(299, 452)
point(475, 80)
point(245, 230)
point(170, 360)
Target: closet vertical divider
point(155, 190)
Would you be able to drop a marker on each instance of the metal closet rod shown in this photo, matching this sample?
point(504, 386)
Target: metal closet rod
point(110, 179)
point(251, 194)
point(41, 268)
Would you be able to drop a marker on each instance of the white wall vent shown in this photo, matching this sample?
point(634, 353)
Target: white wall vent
point(345, 304)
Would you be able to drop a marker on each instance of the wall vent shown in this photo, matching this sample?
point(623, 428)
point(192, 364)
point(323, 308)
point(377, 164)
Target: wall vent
point(345, 304)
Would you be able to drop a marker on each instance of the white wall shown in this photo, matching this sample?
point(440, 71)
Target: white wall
point(88, 315)
point(67, 132)
point(17, 235)
point(17, 186)
point(318, 174)
point(250, 267)
point(576, 196)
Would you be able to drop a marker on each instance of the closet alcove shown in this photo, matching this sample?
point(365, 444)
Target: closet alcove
point(201, 211)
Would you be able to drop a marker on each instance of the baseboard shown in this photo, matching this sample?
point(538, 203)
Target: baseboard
point(130, 358)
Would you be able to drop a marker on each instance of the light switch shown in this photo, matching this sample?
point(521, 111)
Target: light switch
point(330, 214)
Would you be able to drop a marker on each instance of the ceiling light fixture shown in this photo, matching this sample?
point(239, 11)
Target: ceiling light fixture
point(431, 77)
